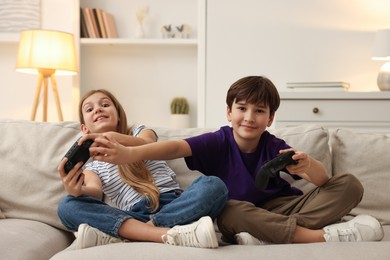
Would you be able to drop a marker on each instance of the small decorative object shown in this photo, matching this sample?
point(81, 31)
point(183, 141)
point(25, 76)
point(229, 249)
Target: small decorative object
point(179, 113)
point(140, 14)
point(184, 31)
point(166, 31)
point(382, 52)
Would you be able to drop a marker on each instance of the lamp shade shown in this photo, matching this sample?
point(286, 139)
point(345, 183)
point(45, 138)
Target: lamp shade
point(46, 50)
point(382, 45)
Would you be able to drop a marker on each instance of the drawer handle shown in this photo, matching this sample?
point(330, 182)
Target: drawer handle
point(316, 110)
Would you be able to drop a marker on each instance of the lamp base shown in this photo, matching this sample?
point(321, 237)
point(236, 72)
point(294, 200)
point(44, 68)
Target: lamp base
point(383, 79)
point(44, 76)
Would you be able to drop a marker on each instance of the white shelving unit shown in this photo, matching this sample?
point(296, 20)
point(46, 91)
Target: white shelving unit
point(145, 74)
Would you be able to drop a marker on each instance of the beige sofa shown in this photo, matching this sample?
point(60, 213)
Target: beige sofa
point(30, 189)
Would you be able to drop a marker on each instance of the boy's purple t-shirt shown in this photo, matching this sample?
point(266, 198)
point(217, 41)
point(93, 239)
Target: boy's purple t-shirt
point(217, 154)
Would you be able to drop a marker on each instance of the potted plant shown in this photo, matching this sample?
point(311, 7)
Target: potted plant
point(180, 109)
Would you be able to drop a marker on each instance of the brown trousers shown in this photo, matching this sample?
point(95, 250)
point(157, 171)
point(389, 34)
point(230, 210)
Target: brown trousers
point(276, 220)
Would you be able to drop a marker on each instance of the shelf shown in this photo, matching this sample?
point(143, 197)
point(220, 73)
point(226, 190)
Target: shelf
point(9, 37)
point(131, 41)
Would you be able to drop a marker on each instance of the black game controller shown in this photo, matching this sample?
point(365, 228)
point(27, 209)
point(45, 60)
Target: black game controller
point(77, 153)
point(269, 169)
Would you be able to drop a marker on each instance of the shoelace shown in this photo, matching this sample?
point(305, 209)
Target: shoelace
point(105, 239)
point(347, 235)
point(184, 238)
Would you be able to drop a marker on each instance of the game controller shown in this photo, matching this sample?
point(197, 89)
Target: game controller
point(77, 153)
point(271, 168)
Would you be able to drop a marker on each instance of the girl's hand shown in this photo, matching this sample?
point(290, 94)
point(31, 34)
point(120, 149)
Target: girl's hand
point(89, 136)
point(107, 149)
point(303, 162)
point(73, 181)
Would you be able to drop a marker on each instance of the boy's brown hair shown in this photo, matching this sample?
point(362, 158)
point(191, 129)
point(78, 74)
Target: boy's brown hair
point(254, 90)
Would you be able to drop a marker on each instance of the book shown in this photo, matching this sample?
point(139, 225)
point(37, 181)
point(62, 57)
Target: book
point(83, 25)
point(95, 16)
point(318, 86)
point(93, 24)
point(88, 23)
point(110, 26)
point(99, 14)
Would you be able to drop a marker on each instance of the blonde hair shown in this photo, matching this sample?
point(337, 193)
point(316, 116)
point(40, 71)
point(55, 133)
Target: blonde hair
point(136, 174)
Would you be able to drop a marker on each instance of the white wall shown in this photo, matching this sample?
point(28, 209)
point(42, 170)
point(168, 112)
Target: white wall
point(286, 40)
point(18, 89)
point(290, 41)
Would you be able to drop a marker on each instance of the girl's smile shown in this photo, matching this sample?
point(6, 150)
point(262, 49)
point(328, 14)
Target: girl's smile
point(100, 114)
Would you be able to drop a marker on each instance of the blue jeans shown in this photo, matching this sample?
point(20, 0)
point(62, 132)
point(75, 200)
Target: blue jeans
point(206, 196)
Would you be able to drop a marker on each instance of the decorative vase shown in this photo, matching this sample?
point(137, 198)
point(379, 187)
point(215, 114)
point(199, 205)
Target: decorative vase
point(383, 79)
point(139, 30)
point(180, 121)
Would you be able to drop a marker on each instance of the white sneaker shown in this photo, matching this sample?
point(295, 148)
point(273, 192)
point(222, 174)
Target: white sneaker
point(88, 236)
point(200, 233)
point(244, 238)
point(360, 228)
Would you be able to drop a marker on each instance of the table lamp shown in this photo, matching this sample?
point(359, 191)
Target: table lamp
point(46, 53)
point(382, 52)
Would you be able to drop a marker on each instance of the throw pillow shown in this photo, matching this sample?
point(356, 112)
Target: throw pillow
point(367, 156)
point(311, 139)
point(30, 186)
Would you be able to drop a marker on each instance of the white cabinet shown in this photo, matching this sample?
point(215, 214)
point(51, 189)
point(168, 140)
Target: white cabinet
point(362, 111)
point(145, 74)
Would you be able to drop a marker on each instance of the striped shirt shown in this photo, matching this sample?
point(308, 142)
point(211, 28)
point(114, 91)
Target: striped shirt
point(123, 195)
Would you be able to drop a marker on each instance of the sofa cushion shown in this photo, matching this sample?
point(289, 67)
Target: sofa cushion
point(184, 176)
point(309, 138)
point(33, 240)
point(30, 186)
point(365, 155)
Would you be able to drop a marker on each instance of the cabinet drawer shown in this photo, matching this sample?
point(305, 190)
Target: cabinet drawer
point(333, 111)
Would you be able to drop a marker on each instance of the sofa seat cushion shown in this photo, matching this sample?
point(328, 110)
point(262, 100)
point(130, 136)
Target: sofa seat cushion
point(150, 251)
point(367, 156)
point(28, 239)
point(30, 186)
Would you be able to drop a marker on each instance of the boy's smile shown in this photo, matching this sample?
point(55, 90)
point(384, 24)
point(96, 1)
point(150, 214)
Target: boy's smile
point(249, 121)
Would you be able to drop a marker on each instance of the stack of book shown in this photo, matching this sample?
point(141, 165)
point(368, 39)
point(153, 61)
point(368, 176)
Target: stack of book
point(96, 23)
point(318, 86)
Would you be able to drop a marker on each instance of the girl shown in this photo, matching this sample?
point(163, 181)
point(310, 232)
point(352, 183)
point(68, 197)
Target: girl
point(150, 206)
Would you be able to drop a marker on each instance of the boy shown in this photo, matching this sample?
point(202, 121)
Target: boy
point(280, 213)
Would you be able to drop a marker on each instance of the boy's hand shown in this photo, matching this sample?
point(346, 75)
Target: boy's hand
point(107, 149)
point(303, 162)
point(73, 181)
